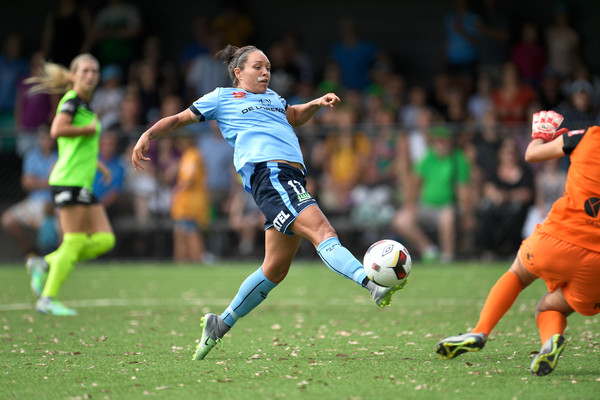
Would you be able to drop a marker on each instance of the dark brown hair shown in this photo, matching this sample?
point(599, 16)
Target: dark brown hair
point(234, 57)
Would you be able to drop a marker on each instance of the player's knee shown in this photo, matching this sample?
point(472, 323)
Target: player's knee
point(106, 241)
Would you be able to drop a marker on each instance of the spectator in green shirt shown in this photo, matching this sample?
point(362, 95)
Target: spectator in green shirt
point(439, 192)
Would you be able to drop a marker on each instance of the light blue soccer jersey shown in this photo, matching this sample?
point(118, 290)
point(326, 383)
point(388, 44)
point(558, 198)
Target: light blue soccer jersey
point(255, 124)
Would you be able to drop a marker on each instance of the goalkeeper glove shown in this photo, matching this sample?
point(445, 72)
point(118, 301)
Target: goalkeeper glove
point(545, 124)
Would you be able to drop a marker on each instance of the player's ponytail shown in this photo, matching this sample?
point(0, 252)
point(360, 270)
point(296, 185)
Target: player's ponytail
point(55, 78)
point(234, 57)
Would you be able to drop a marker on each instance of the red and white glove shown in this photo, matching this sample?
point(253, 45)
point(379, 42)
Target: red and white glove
point(545, 125)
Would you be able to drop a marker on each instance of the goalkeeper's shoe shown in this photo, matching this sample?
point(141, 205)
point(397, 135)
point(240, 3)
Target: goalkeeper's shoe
point(213, 329)
point(50, 306)
point(383, 295)
point(545, 361)
point(38, 272)
point(456, 345)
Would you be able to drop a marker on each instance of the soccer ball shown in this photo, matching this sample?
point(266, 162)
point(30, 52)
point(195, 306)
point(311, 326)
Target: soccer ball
point(387, 263)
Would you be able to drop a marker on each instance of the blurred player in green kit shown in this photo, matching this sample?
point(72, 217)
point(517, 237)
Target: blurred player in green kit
point(87, 232)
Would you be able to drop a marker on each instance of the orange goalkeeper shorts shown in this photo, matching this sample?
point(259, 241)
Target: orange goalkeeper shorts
point(564, 265)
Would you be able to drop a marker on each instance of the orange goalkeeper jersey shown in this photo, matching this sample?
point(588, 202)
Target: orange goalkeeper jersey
point(575, 217)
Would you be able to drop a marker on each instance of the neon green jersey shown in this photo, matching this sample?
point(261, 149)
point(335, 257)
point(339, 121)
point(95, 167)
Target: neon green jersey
point(77, 155)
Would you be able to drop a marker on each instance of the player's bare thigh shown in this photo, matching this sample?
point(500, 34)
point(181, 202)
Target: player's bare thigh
point(84, 218)
point(519, 269)
point(312, 225)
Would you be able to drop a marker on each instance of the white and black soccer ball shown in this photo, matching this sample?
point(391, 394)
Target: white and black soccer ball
point(387, 263)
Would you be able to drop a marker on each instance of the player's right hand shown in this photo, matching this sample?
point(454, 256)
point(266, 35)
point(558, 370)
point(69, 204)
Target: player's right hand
point(139, 152)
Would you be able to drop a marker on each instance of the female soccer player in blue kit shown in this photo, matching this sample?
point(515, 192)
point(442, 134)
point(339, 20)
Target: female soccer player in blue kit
point(258, 123)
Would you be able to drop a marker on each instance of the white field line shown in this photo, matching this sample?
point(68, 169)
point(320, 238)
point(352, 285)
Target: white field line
point(411, 303)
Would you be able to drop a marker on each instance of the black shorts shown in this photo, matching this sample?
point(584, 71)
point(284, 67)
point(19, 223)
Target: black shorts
point(70, 195)
point(280, 192)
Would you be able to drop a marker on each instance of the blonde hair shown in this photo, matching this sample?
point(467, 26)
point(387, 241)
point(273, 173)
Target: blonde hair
point(55, 78)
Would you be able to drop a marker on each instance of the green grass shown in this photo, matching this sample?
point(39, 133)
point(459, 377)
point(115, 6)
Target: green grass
point(317, 336)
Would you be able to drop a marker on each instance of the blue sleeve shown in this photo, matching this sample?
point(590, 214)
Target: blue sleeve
point(206, 106)
point(29, 164)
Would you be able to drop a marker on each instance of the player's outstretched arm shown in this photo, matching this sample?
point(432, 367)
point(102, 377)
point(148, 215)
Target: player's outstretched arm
point(299, 114)
point(163, 127)
point(538, 150)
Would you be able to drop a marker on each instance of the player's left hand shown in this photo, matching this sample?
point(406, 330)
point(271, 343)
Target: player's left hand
point(545, 124)
point(329, 100)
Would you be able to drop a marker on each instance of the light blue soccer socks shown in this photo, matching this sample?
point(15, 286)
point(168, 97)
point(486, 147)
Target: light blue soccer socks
point(251, 293)
point(340, 260)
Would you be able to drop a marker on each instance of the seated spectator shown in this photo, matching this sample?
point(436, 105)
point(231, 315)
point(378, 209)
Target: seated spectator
point(507, 195)
point(563, 42)
point(117, 27)
point(13, 67)
point(412, 146)
point(578, 110)
point(439, 191)
point(355, 56)
point(190, 204)
point(205, 72)
point(345, 159)
point(29, 213)
point(109, 96)
point(417, 99)
point(110, 194)
point(245, 219)
point(479, 102)
point(512, 98)
point(485, 148)
point(32, 110)
point(529, 55)
point(549, 186)
point(217, 155)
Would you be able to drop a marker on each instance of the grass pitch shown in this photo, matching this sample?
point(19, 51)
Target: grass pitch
point(317, 336)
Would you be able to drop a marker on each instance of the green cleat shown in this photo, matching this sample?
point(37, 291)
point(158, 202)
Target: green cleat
point(38, 271)
point(456, 345)
point(383, 295)
point(50, 306)
point(213, 329)
point(545, 361)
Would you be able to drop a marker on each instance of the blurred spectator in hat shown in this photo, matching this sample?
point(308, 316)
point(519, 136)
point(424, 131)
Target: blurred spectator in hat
point(577, 109)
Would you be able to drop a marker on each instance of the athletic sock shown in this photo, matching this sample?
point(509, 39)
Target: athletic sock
point(550, 323)
point(252, 292)
point(62, 262)
point(501, 297)
point(97, 244)
point(341, 261)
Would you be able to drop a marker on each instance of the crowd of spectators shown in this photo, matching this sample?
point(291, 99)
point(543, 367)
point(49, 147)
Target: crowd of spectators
point(373, 160)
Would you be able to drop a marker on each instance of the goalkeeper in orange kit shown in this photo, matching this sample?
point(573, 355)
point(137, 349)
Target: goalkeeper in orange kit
point(564, 250)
